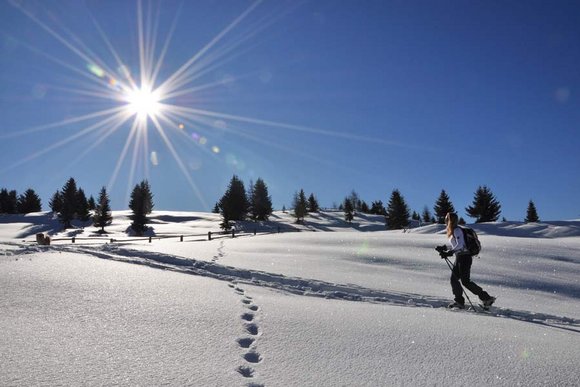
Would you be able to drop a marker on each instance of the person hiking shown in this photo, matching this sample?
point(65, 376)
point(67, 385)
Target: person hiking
point(462, 269)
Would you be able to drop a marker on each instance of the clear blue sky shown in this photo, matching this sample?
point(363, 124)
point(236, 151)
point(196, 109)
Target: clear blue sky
point(328, 96)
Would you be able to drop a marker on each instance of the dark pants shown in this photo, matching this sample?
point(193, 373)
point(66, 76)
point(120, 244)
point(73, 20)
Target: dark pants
point(462, 271)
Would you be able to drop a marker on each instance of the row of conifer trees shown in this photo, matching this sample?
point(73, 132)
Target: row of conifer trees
point(236, 204)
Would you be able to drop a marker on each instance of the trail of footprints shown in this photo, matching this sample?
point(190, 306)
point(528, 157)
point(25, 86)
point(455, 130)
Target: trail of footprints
point(248, 341)
point(220, 253)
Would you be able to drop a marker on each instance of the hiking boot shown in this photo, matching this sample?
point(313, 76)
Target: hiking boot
point(456, 305)
point(489, 302)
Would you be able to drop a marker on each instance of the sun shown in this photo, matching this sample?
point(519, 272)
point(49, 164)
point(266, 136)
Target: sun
point(143, 102)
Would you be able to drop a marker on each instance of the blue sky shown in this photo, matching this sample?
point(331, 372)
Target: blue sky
point(326, 96)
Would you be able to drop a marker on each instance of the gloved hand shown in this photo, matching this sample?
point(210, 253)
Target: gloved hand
point(443, 251)
point(445, 254)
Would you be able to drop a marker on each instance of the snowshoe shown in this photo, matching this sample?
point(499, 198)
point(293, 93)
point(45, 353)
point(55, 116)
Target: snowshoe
point(488, 303)
point(456, 305)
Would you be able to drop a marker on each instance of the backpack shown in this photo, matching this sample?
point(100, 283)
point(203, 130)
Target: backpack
point(472, 243)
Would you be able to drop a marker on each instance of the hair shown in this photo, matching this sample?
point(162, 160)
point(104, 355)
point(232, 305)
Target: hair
point(451, 220)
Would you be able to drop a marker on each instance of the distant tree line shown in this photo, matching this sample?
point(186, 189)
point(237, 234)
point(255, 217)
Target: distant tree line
point(70, 203)
point(12, 203)
point(484, 208)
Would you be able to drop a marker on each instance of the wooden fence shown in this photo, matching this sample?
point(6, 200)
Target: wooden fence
point(211, 235)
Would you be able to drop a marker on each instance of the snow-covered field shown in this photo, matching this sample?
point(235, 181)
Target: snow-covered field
point(332, 305)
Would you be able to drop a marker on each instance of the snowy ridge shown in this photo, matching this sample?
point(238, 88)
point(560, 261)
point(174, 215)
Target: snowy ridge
point(296, 285)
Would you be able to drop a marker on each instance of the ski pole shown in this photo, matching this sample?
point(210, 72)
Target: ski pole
point(451, 267)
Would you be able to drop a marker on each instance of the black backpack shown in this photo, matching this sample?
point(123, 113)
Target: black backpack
point(472, 243)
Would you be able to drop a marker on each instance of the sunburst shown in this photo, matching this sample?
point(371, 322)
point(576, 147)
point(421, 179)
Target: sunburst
point(146, 104)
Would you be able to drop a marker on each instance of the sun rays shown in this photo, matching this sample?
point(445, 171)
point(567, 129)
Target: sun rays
point(150, 102)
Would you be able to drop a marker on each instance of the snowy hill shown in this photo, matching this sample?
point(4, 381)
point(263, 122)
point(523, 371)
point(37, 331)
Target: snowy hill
point(335, 304)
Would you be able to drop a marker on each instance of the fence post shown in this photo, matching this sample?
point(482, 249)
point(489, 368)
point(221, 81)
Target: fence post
point(73, 239)
point(181, 238)
point(255, 231)
point(233, 232)
point(209, 235)
point(149, 239)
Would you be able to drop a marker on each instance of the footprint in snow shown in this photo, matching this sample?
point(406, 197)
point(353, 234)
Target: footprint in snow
point(246, 342)
point(247, 372)
point(252, 329)
point(248, 316)
point(253, 357)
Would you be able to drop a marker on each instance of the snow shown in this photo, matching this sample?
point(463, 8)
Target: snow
point(335, 304)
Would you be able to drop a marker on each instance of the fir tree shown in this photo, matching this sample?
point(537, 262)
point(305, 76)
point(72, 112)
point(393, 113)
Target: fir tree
point(485, 207)
point(234, 203)
point(82, 206)
point(56, 202)
point(532, 213)
point(29, 202)
point(69, 203)
point(139, 205)
point(397, 212)
point(300, 206)
point(378, 208)
point(348, 210)
point(147, 196)
point(313, 204)
point(261, 202)
point(8, 202)
point(355, 200)
point(102, 215)
point(364, 208)
point(443, 206)
point(92, 203)
point(426, 215)
point(216, 208)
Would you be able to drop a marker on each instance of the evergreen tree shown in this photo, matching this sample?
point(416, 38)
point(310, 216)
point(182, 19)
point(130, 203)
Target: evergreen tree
point(69, 203)
point(300, 206)
point(427, 217)
point(92, 203)
point(29, 202)
point(415, 216)
point(532, 213)
point(397, 212)
point(147, 196)
point(8, 202)
point(364, 208)
point(443, 206)
point(216, 208)
point(485, 207)
point(261, 202)
point(82, 206)
point(378, 208)
point(103, 216)
point(234, 203)
point(348, 210)
point(355, 200)
point(313, 204)
point(139, 205)
point(56, 202)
